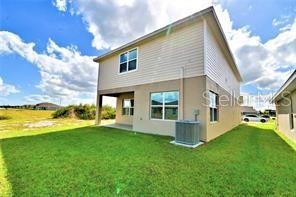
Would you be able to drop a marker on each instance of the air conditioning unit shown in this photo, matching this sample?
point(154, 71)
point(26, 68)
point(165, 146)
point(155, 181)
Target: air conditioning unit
point(187, 133)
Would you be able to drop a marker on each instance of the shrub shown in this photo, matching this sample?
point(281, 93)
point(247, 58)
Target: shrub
point(64, 112)
point(85, 112)
point(108, 112)
point(4, 117)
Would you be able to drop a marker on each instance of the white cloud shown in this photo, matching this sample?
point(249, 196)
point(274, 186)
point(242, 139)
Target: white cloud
point(259, 101)
point(61, 5)
point(7, 89)
point(266, 65)
point(37, 98)
point(283, 20)
point(113, 22)
point(277, 22)
point(65, 73)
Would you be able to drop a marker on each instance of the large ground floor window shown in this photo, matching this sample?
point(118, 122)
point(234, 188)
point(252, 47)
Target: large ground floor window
point(164, 105)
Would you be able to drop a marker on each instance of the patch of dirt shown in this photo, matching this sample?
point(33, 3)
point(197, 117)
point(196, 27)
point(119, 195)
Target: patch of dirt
point(45, 123)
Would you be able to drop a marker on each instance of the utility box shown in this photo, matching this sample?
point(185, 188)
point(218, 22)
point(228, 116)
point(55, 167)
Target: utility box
point(187, 132)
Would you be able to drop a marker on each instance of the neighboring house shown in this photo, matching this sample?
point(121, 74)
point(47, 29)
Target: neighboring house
point(178, 72)
point(285, 101)
point(47, 106)
point(247, 110)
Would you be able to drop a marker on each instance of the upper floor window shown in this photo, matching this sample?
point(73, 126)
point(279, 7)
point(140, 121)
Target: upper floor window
point(128, 61)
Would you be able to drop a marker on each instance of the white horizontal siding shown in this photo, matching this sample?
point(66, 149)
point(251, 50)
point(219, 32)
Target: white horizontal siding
point(159, 59)
point(217, 67)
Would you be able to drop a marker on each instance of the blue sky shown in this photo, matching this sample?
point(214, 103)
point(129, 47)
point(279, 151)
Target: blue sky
point(258, 15)
point(78, 29)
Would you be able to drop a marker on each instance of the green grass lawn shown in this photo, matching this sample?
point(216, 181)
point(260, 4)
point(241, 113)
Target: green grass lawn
point(249, 160)
point(19, 120)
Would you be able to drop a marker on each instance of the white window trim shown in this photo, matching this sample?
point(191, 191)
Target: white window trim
point(217, 97)
point(163, 106)
point(129, 111)
point(137, 58)
point(214, 122)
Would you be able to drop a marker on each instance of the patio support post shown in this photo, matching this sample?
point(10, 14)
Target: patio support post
point(99, 108)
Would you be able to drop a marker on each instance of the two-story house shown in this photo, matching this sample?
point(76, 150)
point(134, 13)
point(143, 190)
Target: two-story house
point(285, 102)
point(182, 71)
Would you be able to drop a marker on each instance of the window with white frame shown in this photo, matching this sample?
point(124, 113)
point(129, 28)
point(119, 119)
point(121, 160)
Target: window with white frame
point(213, 98)
point(128, 61)
point(128, 107)
point(164, 105)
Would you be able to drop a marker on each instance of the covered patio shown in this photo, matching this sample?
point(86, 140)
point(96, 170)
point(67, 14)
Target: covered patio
point(124, 110)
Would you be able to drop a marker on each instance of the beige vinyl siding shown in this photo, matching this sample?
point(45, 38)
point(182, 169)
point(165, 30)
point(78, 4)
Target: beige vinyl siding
point(159, 59)
point(217, 67)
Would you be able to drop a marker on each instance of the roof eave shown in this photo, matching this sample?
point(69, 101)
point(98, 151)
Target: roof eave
point(284, 86)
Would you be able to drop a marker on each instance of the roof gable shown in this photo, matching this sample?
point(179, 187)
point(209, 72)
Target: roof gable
point(208, 12)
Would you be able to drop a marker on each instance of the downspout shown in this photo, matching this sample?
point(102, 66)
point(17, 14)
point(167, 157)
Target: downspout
point(292, 112)
point(205, 54)
point(181, 112)
point(291, 103)
point(99, 101)
point(205, 46)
